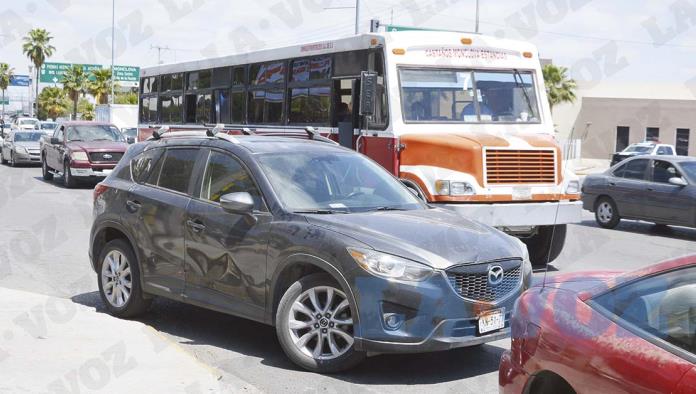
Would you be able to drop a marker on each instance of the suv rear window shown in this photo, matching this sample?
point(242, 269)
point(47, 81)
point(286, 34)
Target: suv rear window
point(143, 164)
point(177, 169)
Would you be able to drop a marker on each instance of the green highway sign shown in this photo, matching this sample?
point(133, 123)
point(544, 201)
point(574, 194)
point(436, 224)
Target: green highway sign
point(5, 101)
point(391, 28)
point(53, 72)
point(127, 75)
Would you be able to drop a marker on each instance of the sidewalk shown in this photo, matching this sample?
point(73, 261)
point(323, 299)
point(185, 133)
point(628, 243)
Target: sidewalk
point(50, 344)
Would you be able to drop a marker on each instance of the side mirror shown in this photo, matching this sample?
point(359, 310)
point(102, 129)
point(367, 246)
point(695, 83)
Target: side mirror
point(678, 181)
point(239, 203)
point(55, 141)
point(130, 140)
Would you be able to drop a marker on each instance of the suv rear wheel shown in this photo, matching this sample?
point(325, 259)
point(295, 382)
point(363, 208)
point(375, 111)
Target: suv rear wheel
point(119, 280)
point(314, 324)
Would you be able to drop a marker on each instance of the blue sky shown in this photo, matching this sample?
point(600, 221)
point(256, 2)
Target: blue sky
point(600, 41)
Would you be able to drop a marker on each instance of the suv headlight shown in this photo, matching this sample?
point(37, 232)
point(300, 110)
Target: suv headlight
point(79, 156)
point(390, 266)
point(573, 187)
point(452, 188)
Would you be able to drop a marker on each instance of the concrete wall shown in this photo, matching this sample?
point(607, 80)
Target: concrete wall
point(605, 114)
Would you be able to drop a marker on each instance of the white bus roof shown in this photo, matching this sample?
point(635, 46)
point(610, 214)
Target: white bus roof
point(403, 39)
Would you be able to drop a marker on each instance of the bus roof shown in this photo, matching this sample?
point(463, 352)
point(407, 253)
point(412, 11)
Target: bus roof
point(402, 39)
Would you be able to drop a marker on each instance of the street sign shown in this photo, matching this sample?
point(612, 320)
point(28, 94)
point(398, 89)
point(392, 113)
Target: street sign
point(368, 92)
point(127, 75)
point(20, 80)
point(392, 28)
point(6, 101)
point(53, 72)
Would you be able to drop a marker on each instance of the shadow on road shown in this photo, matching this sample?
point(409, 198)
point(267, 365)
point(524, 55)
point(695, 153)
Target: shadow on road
point(58, 182)
point(193, 326)
point(650, 229)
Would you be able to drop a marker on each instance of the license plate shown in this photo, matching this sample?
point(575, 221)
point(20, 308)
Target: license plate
point(491, 321)
point(521, 193)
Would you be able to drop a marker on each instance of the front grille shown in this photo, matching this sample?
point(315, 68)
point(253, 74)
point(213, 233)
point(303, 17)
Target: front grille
point(471, 281)
point(520, 166)
point(99, 157)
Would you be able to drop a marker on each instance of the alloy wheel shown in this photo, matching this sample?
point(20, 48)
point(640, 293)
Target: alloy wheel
point(116, 278)
point(605, 212)
point(320, 323)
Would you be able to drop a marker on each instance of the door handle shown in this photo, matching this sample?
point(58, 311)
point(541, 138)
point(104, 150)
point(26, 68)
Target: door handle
point(612, 183)
point(650, 189)
point(196, 226)
point(132, 205)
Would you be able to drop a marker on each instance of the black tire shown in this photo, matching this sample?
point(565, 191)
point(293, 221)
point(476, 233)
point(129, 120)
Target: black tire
point(609, 216)
point(344, 361)
point(68, 180)
point(546, 245)
point(45, 170)
point(136, 304)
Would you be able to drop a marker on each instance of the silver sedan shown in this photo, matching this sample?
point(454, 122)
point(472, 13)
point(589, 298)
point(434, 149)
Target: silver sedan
point(21, 147)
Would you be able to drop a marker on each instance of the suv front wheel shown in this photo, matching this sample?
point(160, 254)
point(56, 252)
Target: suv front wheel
point(315, 325)
point(119, 280)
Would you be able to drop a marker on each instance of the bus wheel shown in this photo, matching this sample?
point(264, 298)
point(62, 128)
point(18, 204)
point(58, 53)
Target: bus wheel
point(546, 244)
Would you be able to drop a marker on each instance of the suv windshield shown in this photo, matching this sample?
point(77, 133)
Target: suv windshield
point(460, 96)
point(48, 126)
point(24, 122)
point(27, 137)
point(639, 149)
point(321, 182)
point(94, 133)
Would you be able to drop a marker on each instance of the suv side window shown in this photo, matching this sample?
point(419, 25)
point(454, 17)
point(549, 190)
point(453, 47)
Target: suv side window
point(663, 150)
point(663, 170)
point(142, 165)
point(660, 306)
point(635, 169)
point(225, 174)
point(177, 167)
point(59, 133)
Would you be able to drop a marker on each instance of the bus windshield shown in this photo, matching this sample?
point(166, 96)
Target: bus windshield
point(464, 96)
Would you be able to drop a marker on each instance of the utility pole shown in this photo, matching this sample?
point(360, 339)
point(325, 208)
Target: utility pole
point(357, 14)
point(113, 17)
point(477, 16)
point(159, 51)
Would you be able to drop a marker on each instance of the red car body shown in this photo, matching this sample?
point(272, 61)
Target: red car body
point(563, 341)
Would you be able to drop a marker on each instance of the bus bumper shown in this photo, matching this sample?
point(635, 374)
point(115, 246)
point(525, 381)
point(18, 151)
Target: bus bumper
point(520, 214)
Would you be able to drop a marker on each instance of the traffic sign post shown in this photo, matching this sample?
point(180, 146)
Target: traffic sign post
point(53, 72)
point(127, 75)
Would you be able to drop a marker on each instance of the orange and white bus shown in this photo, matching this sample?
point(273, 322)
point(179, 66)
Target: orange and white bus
point(463, 119)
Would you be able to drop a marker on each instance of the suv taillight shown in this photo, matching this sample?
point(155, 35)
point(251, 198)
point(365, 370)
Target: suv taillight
point(99, 190)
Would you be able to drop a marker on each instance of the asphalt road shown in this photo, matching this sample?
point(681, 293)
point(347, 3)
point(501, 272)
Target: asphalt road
point(44, 233)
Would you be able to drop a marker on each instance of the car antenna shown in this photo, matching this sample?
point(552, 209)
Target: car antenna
point(558, 207)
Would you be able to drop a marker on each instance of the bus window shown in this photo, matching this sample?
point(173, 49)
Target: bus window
point(222, 106)
point(310, 105)
point(170, 109)
point(198, 108)
point(237, 111)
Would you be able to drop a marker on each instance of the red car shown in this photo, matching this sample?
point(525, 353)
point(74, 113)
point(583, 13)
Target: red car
point(606, 332)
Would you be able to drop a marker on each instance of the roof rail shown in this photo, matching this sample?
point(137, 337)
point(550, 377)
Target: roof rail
point(157, 134)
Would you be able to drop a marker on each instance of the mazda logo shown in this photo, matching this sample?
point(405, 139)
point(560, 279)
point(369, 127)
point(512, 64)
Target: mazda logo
point(106, 156)
point(495, 275)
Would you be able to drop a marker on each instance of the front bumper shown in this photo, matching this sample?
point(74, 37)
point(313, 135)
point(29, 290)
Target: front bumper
point(433, 316)
point(511, 378)
point(520, 214)
point(90, 172)
point(31, 157)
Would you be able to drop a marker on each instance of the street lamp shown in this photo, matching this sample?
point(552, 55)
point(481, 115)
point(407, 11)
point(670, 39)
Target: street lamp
point(113, 16)
point(31, 105)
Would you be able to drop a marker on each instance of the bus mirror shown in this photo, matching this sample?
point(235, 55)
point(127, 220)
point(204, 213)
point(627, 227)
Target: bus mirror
point(368, 92)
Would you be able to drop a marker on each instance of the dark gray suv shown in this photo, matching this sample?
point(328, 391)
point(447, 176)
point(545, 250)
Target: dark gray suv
point(307, 236)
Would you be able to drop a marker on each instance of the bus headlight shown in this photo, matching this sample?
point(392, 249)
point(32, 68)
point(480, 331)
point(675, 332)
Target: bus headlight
point(573, 187)
point(452, 188)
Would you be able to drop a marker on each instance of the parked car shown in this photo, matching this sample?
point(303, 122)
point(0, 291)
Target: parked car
point(24, 123)
point(659, 189)
point(310, 237)
point(81, 151)
point(641, 149)
point(48, 127)
point(606, 332)
point(131, 134)
point(21, 147)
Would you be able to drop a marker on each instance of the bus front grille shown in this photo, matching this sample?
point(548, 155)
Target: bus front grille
point(520, 166)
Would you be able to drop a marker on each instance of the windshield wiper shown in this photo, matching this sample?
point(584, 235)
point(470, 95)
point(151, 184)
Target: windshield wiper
point(387, 209)
point(319, 211)
point(520, 84)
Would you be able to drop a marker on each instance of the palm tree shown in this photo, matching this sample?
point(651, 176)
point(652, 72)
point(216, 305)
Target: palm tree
point(37, 48)
point(559, 88)
point(6, 73)
point(52, 100)
point(88, 112)
point(100, 85)
point(74, 84)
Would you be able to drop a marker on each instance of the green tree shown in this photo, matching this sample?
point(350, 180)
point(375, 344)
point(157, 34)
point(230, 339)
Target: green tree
point(52, 102)
point(6, 73)
point(88, 111)
point(37, 48)
point(126, 98)
point(100, 85)
point(559, 87)
point(75, 84)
